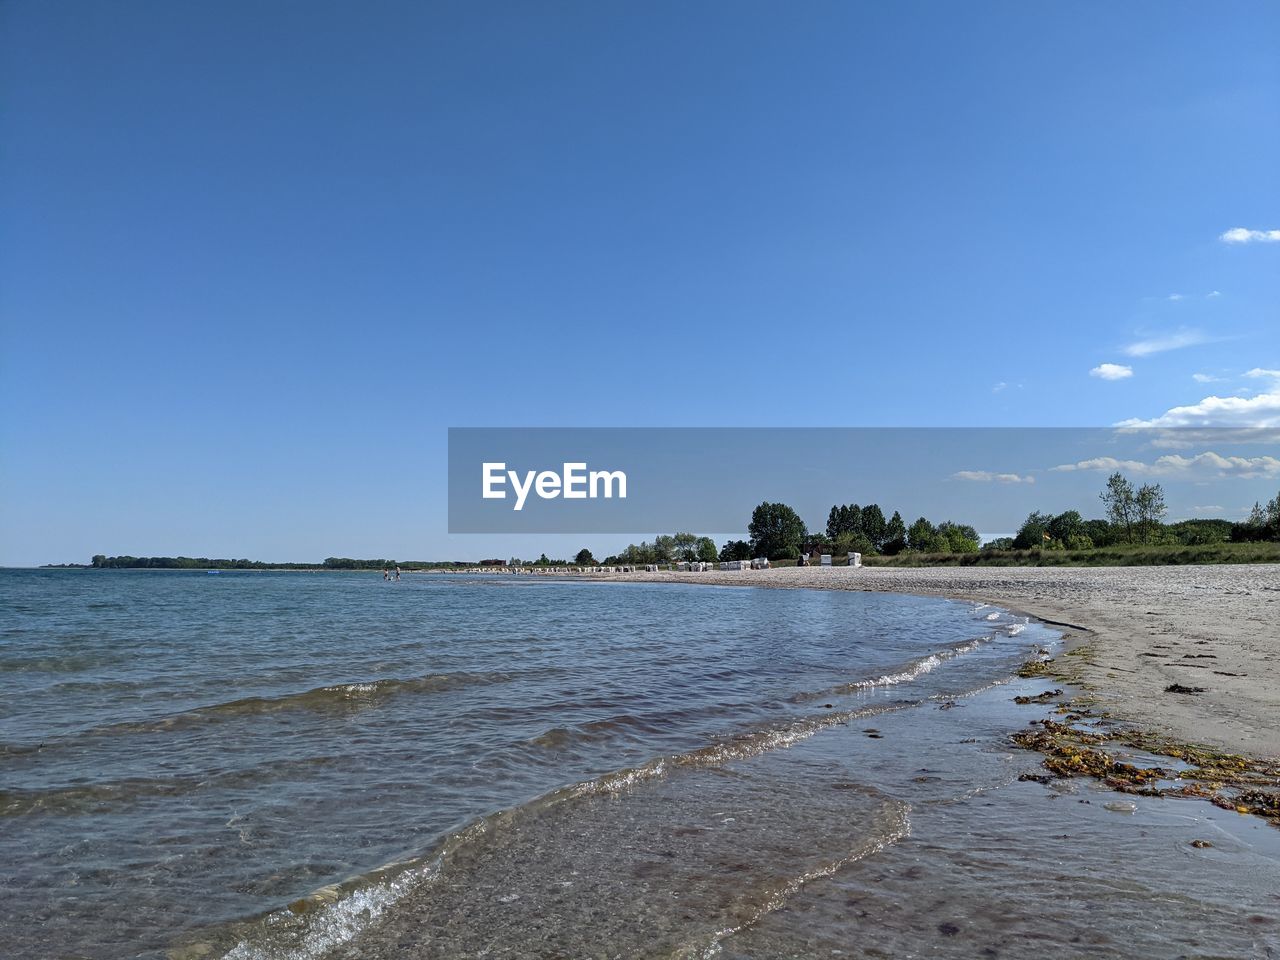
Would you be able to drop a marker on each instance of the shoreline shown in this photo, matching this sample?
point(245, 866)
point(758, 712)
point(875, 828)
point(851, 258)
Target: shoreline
point(1129, 634)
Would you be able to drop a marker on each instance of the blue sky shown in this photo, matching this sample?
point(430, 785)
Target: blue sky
point(256, 258)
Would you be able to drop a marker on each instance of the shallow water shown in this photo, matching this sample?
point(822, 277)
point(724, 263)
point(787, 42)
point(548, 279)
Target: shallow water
point(510, 767)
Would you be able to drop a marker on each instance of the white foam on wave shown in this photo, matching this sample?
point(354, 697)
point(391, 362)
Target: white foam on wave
point(923, 665)
point(333, 924)
point(341, 912)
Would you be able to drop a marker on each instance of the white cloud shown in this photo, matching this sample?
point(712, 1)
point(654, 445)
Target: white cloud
point(1260, 373)
point(1175, 297)
point(986, 476)
point(1169, 341)
point(1212, 294)
point(999, 386)
point(1206, 378)
point(1243, 235)
point(1175, 465)
point(1261, 411)
point(1111, 371)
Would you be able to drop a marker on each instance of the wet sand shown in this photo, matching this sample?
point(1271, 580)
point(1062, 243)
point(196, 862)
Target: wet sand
point(1143, 629)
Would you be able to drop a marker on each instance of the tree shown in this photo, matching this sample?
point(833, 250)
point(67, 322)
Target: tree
point(1032, 532)
point(777, 532)
point(895, 535)
point(1148, 504)
point(873, 524)
point(584, 558)
point(1273, 509)
point(686, 546)
point(1119, 499)
point(735, 550)
point(706, 550)
point(957, 537)
point(921, 537)
point(1099, 532)
point(848, 543)
point(1065, 526)
point(1263, 523)
point(833, 522)
point(851, 519)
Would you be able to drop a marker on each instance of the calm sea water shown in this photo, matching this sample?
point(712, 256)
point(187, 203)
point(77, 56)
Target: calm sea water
point(265, 765)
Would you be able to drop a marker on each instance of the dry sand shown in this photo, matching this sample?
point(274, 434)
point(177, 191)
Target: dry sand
point(1146, 628)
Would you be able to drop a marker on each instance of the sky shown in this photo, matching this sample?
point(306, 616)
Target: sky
point(255, 259)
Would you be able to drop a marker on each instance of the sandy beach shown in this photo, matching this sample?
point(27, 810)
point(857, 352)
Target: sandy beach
point(1146, 629)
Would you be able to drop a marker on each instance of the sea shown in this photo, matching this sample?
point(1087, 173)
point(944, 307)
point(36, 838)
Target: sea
point(259, 766)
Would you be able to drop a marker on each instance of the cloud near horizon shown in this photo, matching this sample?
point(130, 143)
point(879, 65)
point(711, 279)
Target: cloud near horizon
point(1111, 371)
point(986, 476)
point(1174, 465)
point(1245, 235)
point(1258, 412)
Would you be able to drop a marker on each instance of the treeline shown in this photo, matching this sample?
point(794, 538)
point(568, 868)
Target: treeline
point(664, 549)
point(102, 562)
point(779, 533)
point(1263, 523)
point(1135, 516)
point(776, 531)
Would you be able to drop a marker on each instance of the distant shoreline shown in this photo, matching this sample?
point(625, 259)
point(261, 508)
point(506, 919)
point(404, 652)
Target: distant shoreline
point(1136, 555)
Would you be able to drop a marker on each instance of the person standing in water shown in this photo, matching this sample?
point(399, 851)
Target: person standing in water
point(397, 573)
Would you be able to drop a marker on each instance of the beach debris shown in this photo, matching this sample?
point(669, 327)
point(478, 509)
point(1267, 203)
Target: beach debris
point(1045, 697)
point(948, 929)
point(873, 733)
point(1229, 781)
point(1180, 688)
point(1201, 844)
point(1034, 668)
point(1121, 806)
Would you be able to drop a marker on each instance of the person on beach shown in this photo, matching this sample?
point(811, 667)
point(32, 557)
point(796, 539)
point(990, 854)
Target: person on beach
point(397, 573)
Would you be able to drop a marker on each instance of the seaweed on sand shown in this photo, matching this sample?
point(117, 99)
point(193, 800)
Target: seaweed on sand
point(1227, 780)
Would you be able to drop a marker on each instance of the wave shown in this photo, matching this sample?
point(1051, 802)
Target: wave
point(314, 925)
point(120, 794)
point(911, 670)
point(625, 725)
point(341, 698)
